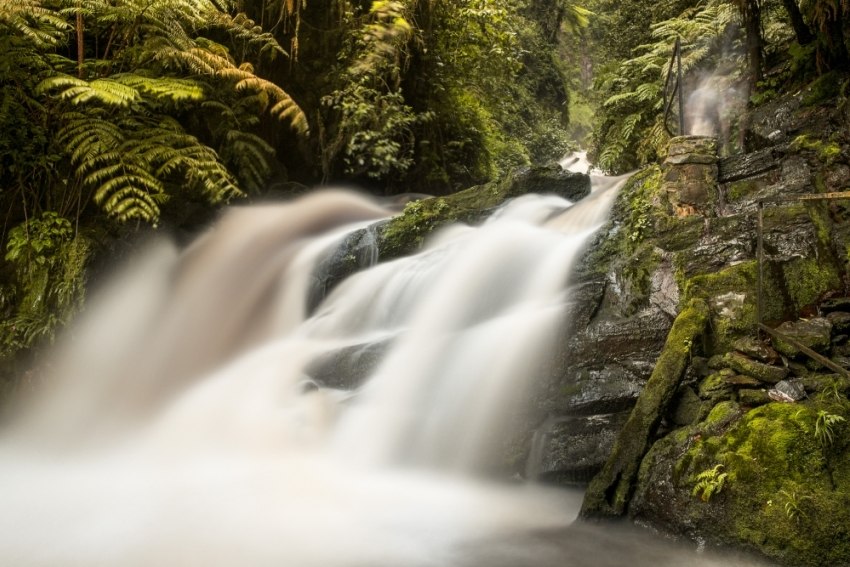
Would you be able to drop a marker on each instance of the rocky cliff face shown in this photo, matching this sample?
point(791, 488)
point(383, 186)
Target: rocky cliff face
point(751, 447)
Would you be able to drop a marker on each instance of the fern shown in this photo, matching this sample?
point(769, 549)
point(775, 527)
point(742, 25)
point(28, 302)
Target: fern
point(126, 165)
point(78, 91)
point(42, 27)
point(709, 483)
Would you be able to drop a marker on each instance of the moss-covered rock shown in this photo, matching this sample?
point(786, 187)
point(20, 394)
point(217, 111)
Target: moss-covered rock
point(759, 370)
point(786, 492)
point(815, 333)
point(406, 233)
point(610, 490)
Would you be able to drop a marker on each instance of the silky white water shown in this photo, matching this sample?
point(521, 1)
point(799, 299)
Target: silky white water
point(179, 424)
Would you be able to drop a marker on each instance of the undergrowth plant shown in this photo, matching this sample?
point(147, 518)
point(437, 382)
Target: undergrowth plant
point(710, 482)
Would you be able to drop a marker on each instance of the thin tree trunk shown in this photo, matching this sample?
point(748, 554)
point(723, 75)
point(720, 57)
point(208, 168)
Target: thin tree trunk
point(80, 45)
point(752, 24)
point(801, 30)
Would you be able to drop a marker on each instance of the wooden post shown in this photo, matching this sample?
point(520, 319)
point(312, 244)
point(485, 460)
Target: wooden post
point(682, 126)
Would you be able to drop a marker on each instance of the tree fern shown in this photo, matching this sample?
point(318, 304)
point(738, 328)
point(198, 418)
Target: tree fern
point(633, 109)
point(42, 27)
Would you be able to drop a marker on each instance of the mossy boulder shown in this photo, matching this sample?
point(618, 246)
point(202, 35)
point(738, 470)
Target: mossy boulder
point(786, 489)
point(406, 233)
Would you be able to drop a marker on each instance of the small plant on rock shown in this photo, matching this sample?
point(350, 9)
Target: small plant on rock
point(793, 504)
point(710, 482)
point(825, 427)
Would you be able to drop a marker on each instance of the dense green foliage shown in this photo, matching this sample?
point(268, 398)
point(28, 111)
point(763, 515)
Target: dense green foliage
point(118, 114)
point(747, 49)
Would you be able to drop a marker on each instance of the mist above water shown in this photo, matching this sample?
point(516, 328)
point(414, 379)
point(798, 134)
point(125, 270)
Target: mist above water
point(180, 423)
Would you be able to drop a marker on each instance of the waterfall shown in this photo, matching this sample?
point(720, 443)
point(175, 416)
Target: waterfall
point(184, 419)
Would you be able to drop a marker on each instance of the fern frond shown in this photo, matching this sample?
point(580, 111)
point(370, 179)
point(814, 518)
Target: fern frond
point(163, 88)
point(42, 27)
point(105, 91)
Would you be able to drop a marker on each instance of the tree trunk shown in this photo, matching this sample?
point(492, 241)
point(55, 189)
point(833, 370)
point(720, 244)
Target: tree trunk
point(81, 55)
point(752, 24)
point(801, 30)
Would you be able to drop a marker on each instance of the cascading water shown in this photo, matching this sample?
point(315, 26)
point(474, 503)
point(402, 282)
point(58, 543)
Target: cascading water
point(182, 422)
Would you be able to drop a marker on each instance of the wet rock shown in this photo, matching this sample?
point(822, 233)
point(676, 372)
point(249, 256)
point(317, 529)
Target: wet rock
point(840, 321)
point(664, 290)
point(572, 449)
point(724, 241)
point(753, 398)
point(716, 362)
point(740, 380)
point(609, 492)
point(842, 349)
point(789, 233)
point(738, 167)
point(814, 383)
point(611, 339)
point(764, 474)
point(596, 390)
point(814, 333)
point(774, 116)
point(796, 175)
point(688, 407)
point(347, 368)
point(788, 391)
point(358, 251)
point(835, 304)
point(756, 349)
point(797, 369)
point(690, 175)
point(585, 299)
point(549, 179)
point(764, 372)
point(705, 146)
point(840, 339)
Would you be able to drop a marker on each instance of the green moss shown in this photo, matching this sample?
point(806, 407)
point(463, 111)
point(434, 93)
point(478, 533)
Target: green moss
point(611, 489)
point(676, 234)
point(714, 387)
point(741, 189)
point(642, 198)
point(625, 245)
point(732, 294)
point(785, 496)
point(827, 151)
point(406, 232)
point(808, 279)
point(825, 88)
